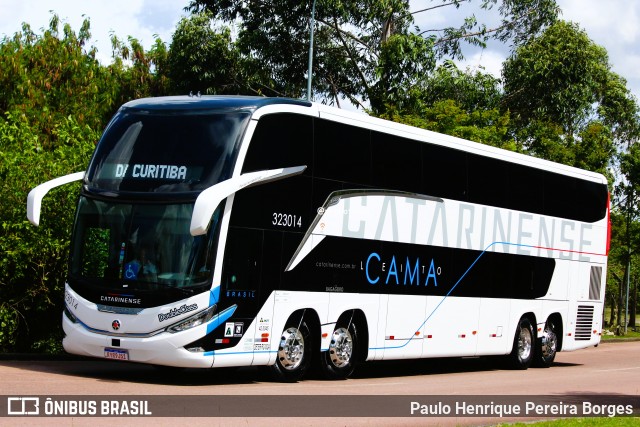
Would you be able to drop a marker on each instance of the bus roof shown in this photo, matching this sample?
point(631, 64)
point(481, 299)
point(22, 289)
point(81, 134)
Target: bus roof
point(204, 102)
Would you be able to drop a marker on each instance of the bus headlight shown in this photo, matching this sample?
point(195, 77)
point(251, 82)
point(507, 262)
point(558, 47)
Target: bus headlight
point(70, 315)
point(193, 321)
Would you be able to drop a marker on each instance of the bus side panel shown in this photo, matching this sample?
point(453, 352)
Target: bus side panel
point(264, 333)
point(450, 326)
point(404, 330)
point(494, 319)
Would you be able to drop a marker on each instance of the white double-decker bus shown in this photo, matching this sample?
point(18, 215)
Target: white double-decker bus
point(235, 231)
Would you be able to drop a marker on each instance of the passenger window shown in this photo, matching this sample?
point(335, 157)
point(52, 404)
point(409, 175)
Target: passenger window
point(396, 163)
point(280, 140)
point(242, 262)
point(526, 188)
point(488, 181)
point(342, 152)
point(444, 172)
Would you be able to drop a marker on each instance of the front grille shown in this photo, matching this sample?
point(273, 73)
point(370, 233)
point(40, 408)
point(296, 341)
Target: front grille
point(584, 323)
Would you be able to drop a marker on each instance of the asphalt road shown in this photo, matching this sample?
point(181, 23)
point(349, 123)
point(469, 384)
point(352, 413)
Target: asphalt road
point(610, 369)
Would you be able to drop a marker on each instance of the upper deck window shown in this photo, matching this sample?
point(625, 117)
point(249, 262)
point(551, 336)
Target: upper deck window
point(166, 152)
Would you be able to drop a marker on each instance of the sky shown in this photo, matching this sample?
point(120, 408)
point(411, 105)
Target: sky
point(613, 24)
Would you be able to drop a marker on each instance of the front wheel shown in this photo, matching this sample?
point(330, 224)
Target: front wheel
point(340, 359)
point(522, 354)
point(547, 345)
point(294, 352)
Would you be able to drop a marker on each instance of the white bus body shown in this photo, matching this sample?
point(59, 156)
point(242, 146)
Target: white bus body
point(233, 231)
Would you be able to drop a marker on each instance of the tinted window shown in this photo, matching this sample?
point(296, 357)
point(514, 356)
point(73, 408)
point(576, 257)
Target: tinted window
point(488, 181)
point(444, 172)
point(396, 162)
point(242, 260)
point(142, 246)
point(281, 140)
point(573, 198)
point(342, 152)
point(526, 188)
point(175, 152)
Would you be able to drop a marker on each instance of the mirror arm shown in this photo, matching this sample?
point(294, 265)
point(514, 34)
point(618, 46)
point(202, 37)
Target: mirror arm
point(209, 199)
point(34, 199)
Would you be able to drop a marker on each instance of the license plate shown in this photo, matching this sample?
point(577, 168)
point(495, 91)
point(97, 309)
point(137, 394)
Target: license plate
point(116, 353)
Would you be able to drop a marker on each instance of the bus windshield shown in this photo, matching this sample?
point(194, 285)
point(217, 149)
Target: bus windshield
point(140, 246)
point(166, 152)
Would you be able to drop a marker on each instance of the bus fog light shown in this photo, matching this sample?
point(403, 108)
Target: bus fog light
point(193, 321)
point(195, 350)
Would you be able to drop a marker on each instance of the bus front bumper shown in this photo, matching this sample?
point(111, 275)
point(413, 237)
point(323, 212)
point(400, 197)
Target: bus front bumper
point(163, 349)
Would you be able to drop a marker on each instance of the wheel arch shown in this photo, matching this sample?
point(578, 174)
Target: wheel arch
point(532, 318)
point(356, 315)
point(312, 319)
point(557, 319)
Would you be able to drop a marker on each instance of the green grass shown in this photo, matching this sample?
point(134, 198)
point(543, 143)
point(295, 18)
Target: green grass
point(630, 335)
point(582, 422)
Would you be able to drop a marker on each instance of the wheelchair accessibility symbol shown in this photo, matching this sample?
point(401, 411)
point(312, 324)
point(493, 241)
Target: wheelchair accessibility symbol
point(131, 271)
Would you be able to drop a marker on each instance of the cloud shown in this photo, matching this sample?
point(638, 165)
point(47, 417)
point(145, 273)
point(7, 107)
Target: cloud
point(487, 61)
point(142, 19)
point(614, 25)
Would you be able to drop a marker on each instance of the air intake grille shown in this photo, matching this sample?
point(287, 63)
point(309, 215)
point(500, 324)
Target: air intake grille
point(594, 282)
point(584, 322)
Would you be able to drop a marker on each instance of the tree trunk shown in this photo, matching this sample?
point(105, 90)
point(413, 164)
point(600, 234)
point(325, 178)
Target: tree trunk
point(612, 313)
point(621, 293)
point(633, 304)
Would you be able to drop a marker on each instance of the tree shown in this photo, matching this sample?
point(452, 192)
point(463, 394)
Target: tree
point(50, 76)
point(136, 73)
point(55, 98)
point(34, 261)
point(205, 60)
point(364, 50)
point(566, 103)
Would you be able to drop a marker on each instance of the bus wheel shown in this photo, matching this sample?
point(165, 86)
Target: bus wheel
point(293, 351)
point(523, 345)
point(547, 345)
point(340, 359)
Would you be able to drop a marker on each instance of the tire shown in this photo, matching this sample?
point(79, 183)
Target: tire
point(294, 352)
point(546, 345)
point(523, 345)
point(340, 359)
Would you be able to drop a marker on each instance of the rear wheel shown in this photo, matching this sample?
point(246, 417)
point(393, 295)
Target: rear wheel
point(523, 345)
point(547, 345)
point(340, 359)
point(294, 351)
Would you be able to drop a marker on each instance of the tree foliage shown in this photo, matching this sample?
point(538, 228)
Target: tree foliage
point(205, 60)
point(33, 262)
point(364, 50)
point(566, 103)
point(39, 74)
point(55, 99)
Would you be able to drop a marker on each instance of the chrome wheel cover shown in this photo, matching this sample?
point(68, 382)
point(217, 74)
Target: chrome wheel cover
point(341, 348)
point(524, 344)
point(291, 349)
point(549, 343)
